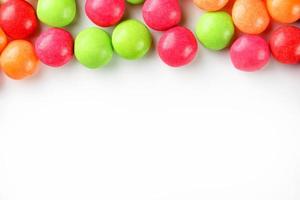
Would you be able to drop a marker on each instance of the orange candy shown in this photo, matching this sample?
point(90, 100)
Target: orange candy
point(250, 16)
point(211, 5)
point(3, 40)
point(284, 11)
point(18, 59)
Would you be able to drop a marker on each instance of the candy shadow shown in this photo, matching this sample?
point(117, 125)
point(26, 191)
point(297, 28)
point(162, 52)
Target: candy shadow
point(2, 82)
point(132, 9)
point(78, 18)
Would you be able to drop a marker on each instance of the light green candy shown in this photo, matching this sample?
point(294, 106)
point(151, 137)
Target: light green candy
point(215, 30)
point(131, 39)
point(93, 48)
point(56, 13)
point(135, 2)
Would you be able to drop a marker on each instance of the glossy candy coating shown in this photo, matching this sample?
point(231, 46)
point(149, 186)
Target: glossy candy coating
point(54, 47)
point(250, 53)
point(56, 13)
point(3, 40)
point(93, 48)
point(177, 46)
point(250, 16)
point(131, 39)
point(161, 15)
point(211, 5)
point(284, 11)
point(215, 30)
point(105, 12)
point(18, 60)
point(285, 44)
point(135, 2)
point(18, 19)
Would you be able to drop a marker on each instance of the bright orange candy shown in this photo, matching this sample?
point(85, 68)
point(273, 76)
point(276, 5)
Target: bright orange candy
point(3, 40)
point(211, 5)
point(284, 11)
point(250, 16)
point(18, 59)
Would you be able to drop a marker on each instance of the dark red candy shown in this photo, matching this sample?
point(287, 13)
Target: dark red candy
point(161, 14)
point(177, 47)
point(105, 12)
point(285, 44)
point(18, 19)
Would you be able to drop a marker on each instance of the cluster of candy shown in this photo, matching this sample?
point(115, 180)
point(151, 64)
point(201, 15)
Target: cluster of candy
point(131, 39)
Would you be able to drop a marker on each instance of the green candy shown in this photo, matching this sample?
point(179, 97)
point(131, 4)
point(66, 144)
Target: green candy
point(56, 13)
point(93, 48)
point(215, 30)
point(131, 39)
point(135, 2)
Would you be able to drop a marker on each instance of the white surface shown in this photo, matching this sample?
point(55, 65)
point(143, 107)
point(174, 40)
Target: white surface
point(139, 130)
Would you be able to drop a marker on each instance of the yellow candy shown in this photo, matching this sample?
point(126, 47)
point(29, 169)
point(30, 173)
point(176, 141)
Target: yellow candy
point(284, 11)
point(250, 16)
point(211, 5)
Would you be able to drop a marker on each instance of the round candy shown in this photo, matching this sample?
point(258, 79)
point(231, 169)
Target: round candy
point(54, 47)
point(105, 12)
point(56, 13)
point(93, 48)
point(135, 2)
point(3, 40)
point(18, 59)
point(161, 14)
point(250, 16)
point(250, 53)
point(284, 11)
point(285, 44)
point(18, 19)
point(177, 46)
point(131, 39)
point(211, 5)
point(215, 30)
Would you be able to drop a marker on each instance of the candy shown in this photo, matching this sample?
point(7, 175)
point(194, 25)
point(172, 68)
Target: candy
point(54, 47)
point(211, 5)
point(135, 1)
point(105, 12)
point(3, 40)
point(250, 16)
point(285, 44)
point(18, 59)
point(18, 19)
point(250, 53)
point(215, 30)
point(284, 11)
point(93, 48)
point(161, 14)
point(56, 13)
point(177, 47)
point(131, 39)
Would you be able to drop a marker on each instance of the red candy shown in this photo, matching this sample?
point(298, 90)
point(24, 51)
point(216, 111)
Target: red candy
point(161, 14)
point(177, 46)
point(105, 12)
point(18, 19)
point(54, 47)
point(285, 44)
point(250, 53)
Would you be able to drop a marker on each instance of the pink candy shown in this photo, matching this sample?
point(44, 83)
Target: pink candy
point(105, 13)
point(161, 14)
point(177, 46)
point(250, 53)
point(54, 47)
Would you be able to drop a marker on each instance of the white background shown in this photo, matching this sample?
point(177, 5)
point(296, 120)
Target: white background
point(139, 130)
